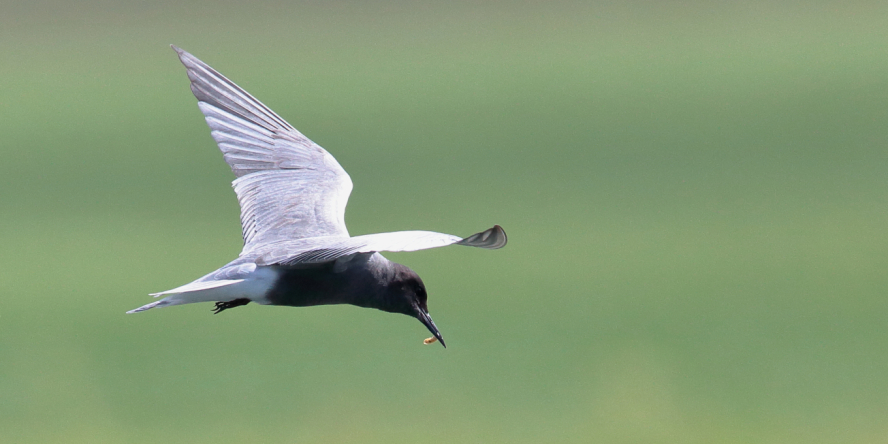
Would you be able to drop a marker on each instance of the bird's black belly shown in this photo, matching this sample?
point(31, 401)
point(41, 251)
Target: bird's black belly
point(318, 284)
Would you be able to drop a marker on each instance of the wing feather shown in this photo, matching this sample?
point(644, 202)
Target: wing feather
point(324, 249)
point(288, 187)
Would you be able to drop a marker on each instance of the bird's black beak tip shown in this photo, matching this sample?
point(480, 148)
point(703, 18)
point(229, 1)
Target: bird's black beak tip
point(440, 339)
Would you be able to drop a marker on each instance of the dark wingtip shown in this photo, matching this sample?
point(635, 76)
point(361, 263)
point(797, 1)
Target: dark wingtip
point(490, 239)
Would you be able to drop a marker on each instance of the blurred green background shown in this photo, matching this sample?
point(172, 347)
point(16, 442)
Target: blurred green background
point(696, 196)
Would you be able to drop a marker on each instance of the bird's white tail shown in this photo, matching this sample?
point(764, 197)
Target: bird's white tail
point(159, 303)
point(206, 291)
point(213, 291)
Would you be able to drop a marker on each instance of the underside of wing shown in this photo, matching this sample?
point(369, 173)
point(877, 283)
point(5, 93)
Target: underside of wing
point(323, 249)
point(288, 186)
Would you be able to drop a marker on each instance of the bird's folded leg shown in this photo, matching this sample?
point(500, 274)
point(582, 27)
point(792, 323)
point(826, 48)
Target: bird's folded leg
point(222, 306)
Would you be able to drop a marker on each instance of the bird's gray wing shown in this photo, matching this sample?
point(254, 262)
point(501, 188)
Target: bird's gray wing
point(323, 249)
point(288, 187)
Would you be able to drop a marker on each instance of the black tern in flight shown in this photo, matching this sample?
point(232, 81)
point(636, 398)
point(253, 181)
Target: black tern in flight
point(292, 195)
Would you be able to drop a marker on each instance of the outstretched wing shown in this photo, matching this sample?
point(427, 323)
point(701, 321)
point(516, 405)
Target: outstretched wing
point(288, 186)
point(323, 249)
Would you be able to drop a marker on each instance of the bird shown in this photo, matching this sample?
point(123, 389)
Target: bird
point(292, 193)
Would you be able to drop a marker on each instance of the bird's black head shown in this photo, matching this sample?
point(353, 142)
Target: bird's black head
point(407, 295)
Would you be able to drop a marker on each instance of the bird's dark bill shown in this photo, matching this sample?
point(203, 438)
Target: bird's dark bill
point(430, 324)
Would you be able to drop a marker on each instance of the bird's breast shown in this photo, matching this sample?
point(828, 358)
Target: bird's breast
point(319, 284)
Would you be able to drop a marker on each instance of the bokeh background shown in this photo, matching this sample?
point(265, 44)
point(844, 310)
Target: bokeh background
point(696, 195)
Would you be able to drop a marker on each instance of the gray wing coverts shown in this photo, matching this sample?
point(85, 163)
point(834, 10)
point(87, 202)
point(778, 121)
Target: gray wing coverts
point(288, 186)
